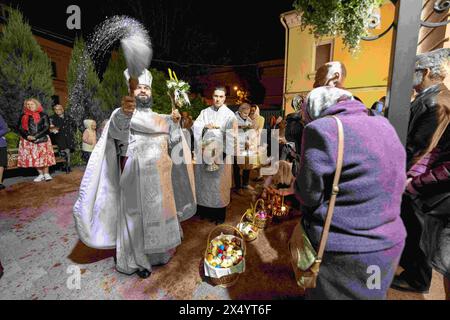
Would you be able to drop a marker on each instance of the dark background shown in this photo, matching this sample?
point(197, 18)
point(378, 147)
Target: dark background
point(196, 32)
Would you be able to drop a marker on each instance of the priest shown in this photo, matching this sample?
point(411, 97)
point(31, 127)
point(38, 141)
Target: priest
point(127, 195)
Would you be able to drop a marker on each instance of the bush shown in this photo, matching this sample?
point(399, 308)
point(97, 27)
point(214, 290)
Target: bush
point(197, 105)
point(76, 159)
point(12, 140)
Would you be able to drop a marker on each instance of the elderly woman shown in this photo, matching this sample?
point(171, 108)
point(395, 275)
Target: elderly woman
point(35, 147)
point(367, 235)
point(331, 74)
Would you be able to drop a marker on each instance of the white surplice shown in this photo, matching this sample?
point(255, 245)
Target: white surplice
point(213, 188)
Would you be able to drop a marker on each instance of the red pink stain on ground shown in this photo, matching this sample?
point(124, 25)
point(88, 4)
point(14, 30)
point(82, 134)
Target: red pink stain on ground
point(62, 209)
point(134, 289)
point(141, 289)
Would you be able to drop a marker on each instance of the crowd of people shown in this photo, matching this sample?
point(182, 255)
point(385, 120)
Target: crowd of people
point(38, 134)
point(392, 205)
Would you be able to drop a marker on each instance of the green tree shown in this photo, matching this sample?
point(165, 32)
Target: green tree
point(25, 69)
point(197, 105)
point(83, 85)
point(161, 101)
point(113, 86)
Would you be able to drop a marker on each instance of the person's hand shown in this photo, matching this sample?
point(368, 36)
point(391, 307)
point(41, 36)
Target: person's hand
point(210, 126)
point(176, 116)
point(31, 138)
point(128, 105)
point(54, 129)
point(408, 182)
point(409, 189)
point(282, 140)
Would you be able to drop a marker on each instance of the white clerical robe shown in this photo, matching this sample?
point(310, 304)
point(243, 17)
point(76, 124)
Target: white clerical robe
point(213, 188)
point(136, 211)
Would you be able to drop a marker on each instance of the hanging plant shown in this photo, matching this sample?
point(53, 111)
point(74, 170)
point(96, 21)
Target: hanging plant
point(349, 19)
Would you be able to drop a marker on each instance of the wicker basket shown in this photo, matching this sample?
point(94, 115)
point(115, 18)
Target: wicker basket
point(12, 159)
point(246, 236)
point(231, 279)
point(249, 213)
point(258, 222)
point(280, 211)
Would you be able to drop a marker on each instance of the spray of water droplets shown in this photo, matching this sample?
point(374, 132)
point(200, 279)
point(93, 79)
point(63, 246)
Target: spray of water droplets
point(137, 50)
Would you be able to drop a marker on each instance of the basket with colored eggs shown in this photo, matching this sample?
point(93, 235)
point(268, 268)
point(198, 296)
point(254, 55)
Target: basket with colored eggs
point(224, 256)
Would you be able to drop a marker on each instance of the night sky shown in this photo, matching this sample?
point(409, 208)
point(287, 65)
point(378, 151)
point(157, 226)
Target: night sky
point(203, 32)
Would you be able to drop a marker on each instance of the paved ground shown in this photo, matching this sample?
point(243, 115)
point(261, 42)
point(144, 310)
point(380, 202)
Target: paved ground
point(40, 251)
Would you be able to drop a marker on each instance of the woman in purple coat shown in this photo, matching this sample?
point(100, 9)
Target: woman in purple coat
point(367, 235)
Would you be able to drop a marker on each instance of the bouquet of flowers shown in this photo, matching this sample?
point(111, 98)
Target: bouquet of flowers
point(178, 90)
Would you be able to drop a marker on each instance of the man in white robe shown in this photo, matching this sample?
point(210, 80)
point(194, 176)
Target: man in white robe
point(216, 123)
point(130, 199)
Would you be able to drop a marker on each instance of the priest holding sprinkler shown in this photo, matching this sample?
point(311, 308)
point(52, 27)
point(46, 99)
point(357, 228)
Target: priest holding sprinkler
point(138, 185)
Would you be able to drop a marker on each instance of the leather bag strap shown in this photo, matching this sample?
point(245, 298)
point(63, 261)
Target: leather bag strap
point(334, 192)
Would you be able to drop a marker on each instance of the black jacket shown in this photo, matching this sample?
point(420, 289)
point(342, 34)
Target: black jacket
point(294, 130)
point(38, 130)
point(433, 185)
point(422, 122)
point(64, 139)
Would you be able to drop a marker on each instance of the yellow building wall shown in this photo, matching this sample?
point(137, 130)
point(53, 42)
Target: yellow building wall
point(367, 70)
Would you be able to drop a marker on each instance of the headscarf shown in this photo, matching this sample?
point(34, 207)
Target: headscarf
point(320, 99)
point(28, 113)
point(256, 114)
point(88, 123)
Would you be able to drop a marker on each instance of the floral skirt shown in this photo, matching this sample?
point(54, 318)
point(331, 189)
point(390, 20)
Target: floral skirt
point(35, 155)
